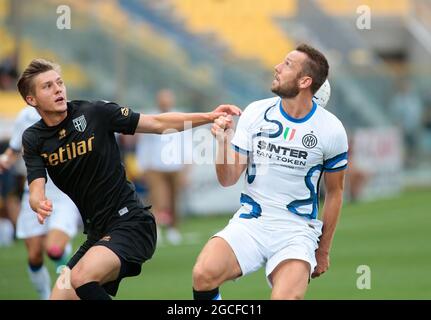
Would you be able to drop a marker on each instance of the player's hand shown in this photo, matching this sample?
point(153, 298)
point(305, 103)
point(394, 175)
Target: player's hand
point(226, 109)
point(4, 163)
point(322, 266)
point(44, 210)
point(222, 127)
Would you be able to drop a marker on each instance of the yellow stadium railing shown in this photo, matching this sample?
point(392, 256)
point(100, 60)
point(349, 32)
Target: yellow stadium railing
point(248, 27)
point(10, 104)
point(4, 9)
point(377, 7)
point(7, 46)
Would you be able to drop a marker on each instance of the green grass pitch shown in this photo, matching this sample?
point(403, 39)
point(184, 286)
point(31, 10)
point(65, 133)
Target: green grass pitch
point(390, 236)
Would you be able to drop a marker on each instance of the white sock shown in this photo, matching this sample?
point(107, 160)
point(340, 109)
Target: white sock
point(6, 232)
point(159, 236)
point(41, 282)
point(68, 249)
point(173, 236)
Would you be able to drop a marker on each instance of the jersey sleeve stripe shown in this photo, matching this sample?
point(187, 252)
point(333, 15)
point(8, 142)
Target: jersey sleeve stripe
point(331, 163)
point(337, 169)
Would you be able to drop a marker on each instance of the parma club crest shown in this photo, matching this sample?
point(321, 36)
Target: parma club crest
point(80, 123)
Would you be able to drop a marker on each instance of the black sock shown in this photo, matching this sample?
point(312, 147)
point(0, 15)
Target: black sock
point(92, 291)
point(53, 257)
point(205, 295)
point(35, 267)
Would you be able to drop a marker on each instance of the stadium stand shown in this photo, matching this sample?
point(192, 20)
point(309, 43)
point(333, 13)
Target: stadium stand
point(379, 7)
point(249, 28)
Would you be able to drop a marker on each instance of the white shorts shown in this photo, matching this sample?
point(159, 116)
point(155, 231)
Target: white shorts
point(256, 242)
point(65, 217)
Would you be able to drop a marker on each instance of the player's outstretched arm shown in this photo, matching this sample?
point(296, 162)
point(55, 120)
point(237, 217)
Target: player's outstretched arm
point(229, 163)
point(8, 159)
point(174, 120)
point(38, 201)
point(334, 183)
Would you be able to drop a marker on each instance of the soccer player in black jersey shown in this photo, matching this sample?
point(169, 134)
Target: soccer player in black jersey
point(74, 141)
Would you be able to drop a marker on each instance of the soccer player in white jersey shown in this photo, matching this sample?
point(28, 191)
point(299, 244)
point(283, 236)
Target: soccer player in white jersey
point(286, 143)
point(54, 235)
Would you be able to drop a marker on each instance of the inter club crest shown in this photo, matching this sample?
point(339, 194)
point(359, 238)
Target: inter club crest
point(309, 141)
point(80, 123)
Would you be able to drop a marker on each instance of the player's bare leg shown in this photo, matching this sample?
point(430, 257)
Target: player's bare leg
point(161, 195)
point(38, 273)
point(55, 246)
point(168, 214)
point(56, 239)
point(290, 280)
point(98, 266)
point(216, 264)
point(35, 249)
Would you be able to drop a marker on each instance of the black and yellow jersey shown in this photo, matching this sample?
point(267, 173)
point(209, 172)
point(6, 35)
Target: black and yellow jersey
point(82, 158)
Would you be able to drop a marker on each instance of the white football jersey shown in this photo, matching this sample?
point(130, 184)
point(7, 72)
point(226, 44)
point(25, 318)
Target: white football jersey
point(286, 158)
point(26, 118)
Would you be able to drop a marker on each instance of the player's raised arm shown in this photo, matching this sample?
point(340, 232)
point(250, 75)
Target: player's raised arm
point(230, 164)
point(174, 120)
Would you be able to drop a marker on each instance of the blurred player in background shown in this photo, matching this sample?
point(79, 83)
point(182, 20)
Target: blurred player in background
point(164, 177)
point(75, 143)
point(10, 191)
point(54, 236)
point(286, 143)
point(406, 109)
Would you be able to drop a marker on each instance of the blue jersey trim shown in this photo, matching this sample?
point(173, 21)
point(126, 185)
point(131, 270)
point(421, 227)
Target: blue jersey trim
point(266, 134)
point(251, 170)
point(313, 199)
point(328, 164)
point(251, 173)
point(296, 120)
point(337, 169)
point(256, 209)
point(239, 150)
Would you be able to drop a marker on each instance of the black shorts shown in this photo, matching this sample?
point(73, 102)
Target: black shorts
point(133, 239)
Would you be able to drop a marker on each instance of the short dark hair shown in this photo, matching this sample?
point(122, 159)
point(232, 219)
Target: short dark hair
point(316, 66)
point(36, 67)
